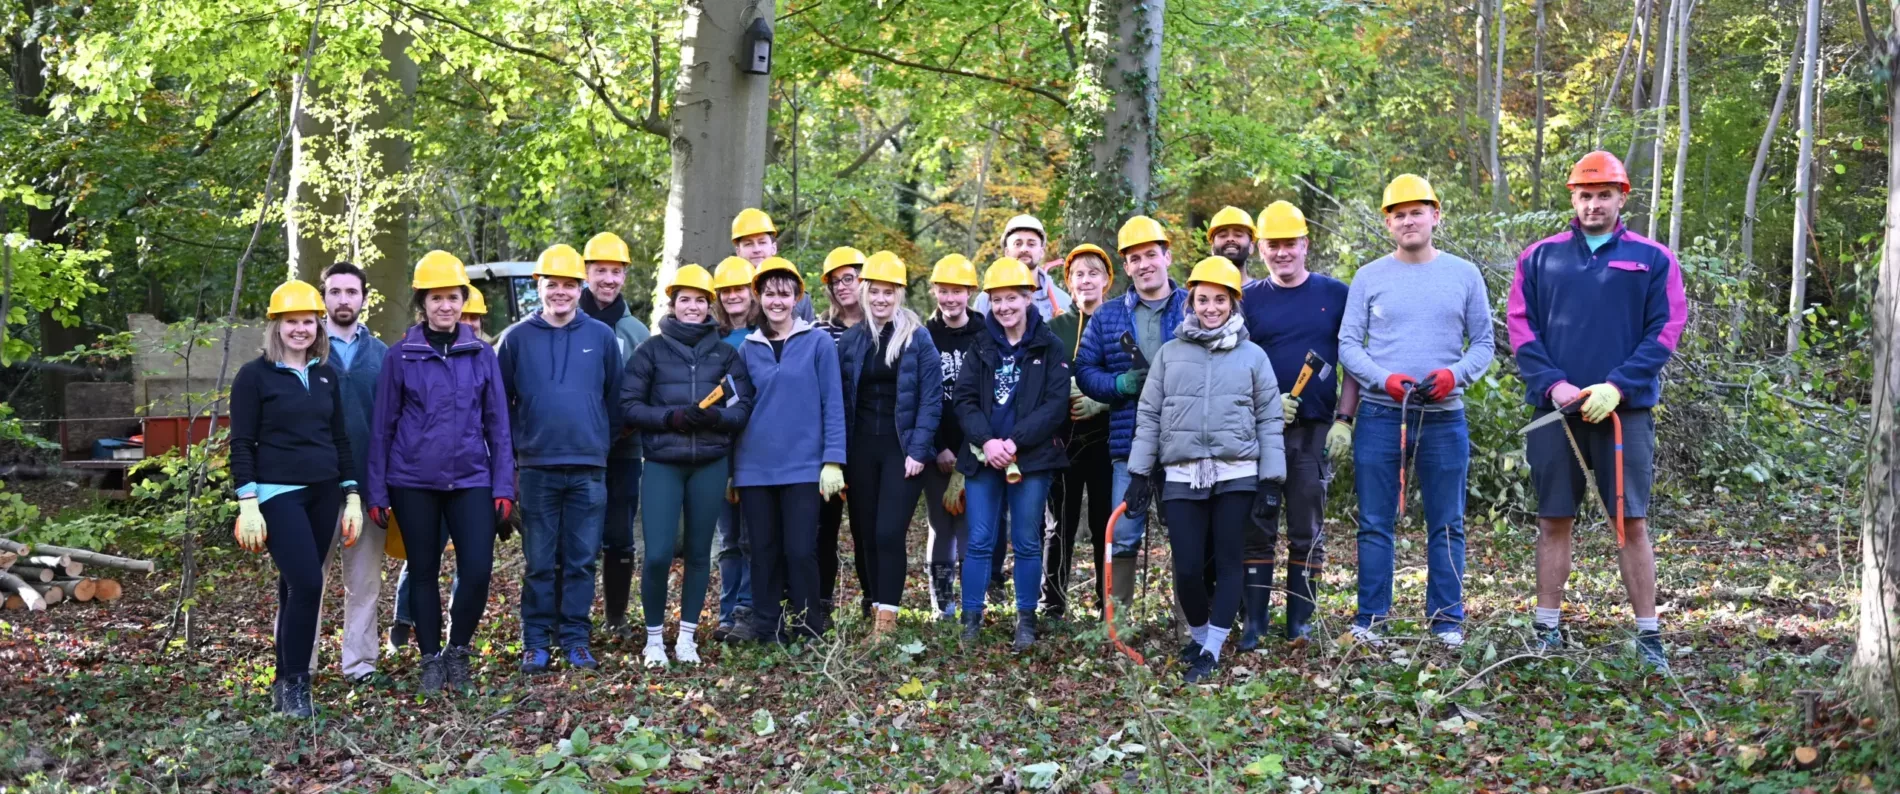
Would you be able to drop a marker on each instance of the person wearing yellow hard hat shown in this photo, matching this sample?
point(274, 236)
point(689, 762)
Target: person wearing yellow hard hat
point(955, 330)
point(1087, 273)
point(1025, 241)
point(754, 238)
point(893, 395)
point(291, 459)
point(1293, 314)
point(1416, 330)
point(442, 457)
point(687, 392)
point(1208, 447)
point(789, 459)
point(737, 312)
point(1230, 234)
point(840, 276)
point(1596, 304)
point(1111, 364)
point(1012, 399)
point(605, 299)
point(562, 372)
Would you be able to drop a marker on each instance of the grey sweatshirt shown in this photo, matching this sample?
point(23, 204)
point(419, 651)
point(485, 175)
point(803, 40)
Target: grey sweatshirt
point(1413, 319)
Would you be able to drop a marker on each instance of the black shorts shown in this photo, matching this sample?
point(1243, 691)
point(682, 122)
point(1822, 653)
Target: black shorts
point(1558, 481)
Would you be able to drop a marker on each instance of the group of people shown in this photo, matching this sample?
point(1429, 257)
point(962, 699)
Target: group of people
point(1009, 410)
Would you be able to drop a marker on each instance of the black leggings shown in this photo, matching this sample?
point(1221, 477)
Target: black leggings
point(783, 520)
point(1090, 472)
point(882, 501)
point(1200, 529)
point(830, 520)
point(298, 528)
point(468, 515)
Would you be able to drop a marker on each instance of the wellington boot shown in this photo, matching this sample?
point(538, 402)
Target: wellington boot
point(1257, 599)
point(1122, 581)
point(943, 591)
point(1302, 597)
point(616, 584)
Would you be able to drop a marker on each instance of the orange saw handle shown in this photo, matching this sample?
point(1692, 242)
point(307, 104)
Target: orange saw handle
point(1108, 610)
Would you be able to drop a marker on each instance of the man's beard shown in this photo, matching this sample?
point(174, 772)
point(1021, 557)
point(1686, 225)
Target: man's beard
point(343, 316)
point(1236, 254)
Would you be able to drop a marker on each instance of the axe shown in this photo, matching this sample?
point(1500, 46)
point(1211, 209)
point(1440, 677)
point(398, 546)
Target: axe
point(1313, 365)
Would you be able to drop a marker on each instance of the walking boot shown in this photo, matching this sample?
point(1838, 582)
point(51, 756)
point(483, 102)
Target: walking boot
point(1258, 600)
point(297, 697)
point(616, 584)
point(1302, 597)
point(943, 590)
point(455, 668)
point(1122, 581)
point(1025, 633)
point(434, 674)
point(972, 626)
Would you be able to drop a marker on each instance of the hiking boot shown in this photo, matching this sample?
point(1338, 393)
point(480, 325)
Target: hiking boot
point(1302, 597)
point(1025, 633)
point(1368, 636)
point(1200, 667)
point(297, 698)
point(434, 674)
point(1649, 646)
point(277, 695)
point(580, 658)
point(455, 667)
point(1257, 597)
point(399, 635)
point(886, 622)
point(744, 631)
point(622, 630)
point(972, 626)
point(535, 661)
point(1546, 639)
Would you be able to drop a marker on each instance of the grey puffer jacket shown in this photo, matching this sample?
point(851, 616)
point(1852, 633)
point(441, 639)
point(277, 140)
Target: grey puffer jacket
point(1201, 402)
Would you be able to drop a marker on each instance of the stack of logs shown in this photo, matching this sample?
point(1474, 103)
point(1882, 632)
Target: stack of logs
point(35, 577)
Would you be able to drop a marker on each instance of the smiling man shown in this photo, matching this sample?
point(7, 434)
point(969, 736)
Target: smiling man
point(605, 300)
point(562, 373)
point(1025, 241)
point(1416, 331)
point(1595, 304)
point(1230, 235)
point(755, 238)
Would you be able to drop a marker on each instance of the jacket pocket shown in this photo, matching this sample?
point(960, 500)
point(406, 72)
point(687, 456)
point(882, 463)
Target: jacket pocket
point(1625, 264)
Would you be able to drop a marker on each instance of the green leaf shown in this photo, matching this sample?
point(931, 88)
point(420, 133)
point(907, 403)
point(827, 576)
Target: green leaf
point(763, 724)
point(1267, 766)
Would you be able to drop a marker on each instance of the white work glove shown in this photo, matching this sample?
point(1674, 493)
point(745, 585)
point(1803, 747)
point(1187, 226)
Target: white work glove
point(1289, 407)
point(250, 530)
point(352, 519)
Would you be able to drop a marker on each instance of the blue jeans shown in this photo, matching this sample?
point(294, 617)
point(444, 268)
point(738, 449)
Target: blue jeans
point(1440, 446)
point(735, 563)
point(623, 504)
point(1131, 528)
point(987, 496)
point(562, 508)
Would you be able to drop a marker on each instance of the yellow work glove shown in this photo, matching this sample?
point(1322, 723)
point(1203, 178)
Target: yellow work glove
point(830, 481)
point(250, 530)
point(1339, 443)
point(1289, 407)
point(953, 494)
point(352, 519)
point(1081, 407)
point(1603, 398)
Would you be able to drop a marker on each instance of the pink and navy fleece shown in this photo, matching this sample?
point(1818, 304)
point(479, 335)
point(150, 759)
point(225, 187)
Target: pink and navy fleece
point(1609, 315)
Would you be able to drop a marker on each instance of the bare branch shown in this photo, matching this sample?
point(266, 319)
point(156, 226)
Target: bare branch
point(892, 59)
point(870, 151)
point(204, 144)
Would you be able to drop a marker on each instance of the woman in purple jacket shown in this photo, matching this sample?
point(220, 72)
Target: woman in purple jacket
point(440, 458)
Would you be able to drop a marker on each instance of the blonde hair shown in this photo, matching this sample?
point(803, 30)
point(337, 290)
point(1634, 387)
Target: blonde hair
point(727, 322)
point(276, 351)
point(906, 322)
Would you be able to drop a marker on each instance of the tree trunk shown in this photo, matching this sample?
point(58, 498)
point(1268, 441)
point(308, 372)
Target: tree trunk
point(1482, 55)
point(1631, 159)
point(1873, 672)
point(1804, 178)
point(718, 131)
point(28, 71)
point(1113, 111)
point(982, 190)
point(1737, 306)
point(1500, 186)
point(1682, 124)
point(1662, 105)
point(1537, 69)
point(389, 268)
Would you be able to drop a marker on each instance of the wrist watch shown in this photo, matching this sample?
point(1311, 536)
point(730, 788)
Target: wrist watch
point(1344, 418)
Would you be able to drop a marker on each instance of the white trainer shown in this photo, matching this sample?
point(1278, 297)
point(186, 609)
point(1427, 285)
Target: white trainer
point(654, 655)
point(685, 652)
point(1453, 639)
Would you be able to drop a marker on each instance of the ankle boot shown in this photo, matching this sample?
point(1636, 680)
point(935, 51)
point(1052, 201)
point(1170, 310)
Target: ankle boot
point(616, 584)
point(1302, 598)
point(1025, 633)
point(1258, 600)
point(943, 590)
point(1122, 581)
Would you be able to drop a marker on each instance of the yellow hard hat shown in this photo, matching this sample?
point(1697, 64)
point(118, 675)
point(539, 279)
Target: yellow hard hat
point(439, 269)
point(732, 272)
point(294, 296)
point(1230, 216)
point(956, 270)
point(772, 263)
point(842, 256)
point(476, 304)
point(1216, 270)
point(1281, 221)
point(691, 277)
point(1408, 187)
point(1140, 229)
point(886, 267)
point(561, 261)
point(607, 247)
point(1085, 248)
point(1007, 272)
point(751, 221)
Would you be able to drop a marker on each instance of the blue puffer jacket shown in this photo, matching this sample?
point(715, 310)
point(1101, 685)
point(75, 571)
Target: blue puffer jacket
point(919, 387)
point(1100, 357)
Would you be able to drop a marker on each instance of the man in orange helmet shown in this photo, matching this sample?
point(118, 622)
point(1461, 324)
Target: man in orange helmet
point(1595, 304)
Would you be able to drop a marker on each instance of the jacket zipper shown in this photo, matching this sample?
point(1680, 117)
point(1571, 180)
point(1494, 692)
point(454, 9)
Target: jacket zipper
point(692, 377)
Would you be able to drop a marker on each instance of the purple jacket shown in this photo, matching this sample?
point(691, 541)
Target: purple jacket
point(441, 423)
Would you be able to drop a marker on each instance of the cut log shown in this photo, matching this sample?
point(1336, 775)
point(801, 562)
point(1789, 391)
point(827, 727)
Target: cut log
point(28, 596)
point(33, 573)
point(14, 604)
point(7, 559)
point(81, 590)
point(80, 555)
point(60, 563)
point(1806, 758)
point(107, 589)
point(51, 592)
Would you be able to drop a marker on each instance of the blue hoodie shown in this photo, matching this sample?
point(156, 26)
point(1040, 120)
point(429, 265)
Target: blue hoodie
point(563, 387)
point(798, 415)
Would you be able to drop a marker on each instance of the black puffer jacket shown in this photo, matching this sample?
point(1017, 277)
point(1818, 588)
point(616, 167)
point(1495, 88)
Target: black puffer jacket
point(675, 370)
point(1041, 398)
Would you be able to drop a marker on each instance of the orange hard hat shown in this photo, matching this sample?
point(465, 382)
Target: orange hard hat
point(1599, 168)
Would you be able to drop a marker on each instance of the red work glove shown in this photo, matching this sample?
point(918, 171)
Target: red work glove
point(1438, 385)
point(1396, 385)
point(504, 508)
point(379, 516)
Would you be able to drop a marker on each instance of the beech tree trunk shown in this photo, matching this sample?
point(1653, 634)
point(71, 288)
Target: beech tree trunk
point(1113, 112)
point(1656, 120)
point(1500, 186)
point(1682, 124)
point(1537, 70)
point(718, 133)
point(1632, 159)
point(1804, 178)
